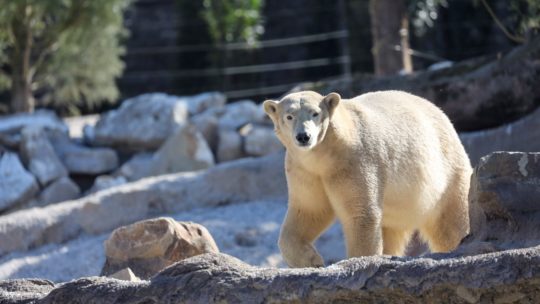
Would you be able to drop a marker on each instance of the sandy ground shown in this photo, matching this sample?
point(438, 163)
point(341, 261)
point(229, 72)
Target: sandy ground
point(247, 231)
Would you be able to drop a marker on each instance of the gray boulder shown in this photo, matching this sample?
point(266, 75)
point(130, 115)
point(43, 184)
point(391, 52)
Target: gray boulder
point(137, 167)
point(207, 124)
point(80, 159)
point(230, 145)
point(202, 102)
point(40, 157)
point(522, 135)
point(503, 277)
point(141, 123)
point(503, 202)
point(47, 120)
point(16, 184)
point(240, 113)
point(260, 140)
point(149, 246)
point(103, 182)
point(63, 189)
point(186, 150)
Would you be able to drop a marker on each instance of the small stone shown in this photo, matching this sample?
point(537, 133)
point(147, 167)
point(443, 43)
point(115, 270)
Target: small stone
point(247, 238)
point(126, 275)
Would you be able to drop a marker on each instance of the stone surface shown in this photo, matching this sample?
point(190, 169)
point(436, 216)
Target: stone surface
point(186, 150)
point(80, 159)
point(137, 166)
point(503, 277)
point(126, 275)
point(147, 247)
point(141, 123)
point(522, 135)
point(12, 124)
point(202, 102)
point(103, 182)
point(207, 124)
point(16, 184)
point(505, 210)
point(40, 157)
point(260, 140)
point(23, 291)
point(240, 113)
point(230, 146)
point(63, 189)
point(234, 182)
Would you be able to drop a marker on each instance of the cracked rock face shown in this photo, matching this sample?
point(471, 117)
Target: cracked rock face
point(505, 277)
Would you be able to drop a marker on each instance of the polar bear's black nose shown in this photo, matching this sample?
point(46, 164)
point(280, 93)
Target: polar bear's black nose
point(303, 138)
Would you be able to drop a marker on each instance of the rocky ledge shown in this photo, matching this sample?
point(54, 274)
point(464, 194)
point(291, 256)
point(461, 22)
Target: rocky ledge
point(502, 277)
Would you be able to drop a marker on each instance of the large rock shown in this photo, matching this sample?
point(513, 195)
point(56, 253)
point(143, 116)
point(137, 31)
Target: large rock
point(207, 124)
point(186, 150)
point(260, 140)
point(80, 159)
point(503, 277)
point(230, 145)
point(505, 211)
point(16, 184)
point(141, 123)
point(239, 181)
point(137, 167)
point(202, 102)
point(240, 113)
point(13, 124)
point(40, 157)
point(103, 182)
point(149, 246)
point(522, 135)
point(63, 189)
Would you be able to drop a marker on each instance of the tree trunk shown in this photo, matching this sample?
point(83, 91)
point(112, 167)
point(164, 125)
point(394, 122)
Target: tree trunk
point(21, 86)
point(387, 19)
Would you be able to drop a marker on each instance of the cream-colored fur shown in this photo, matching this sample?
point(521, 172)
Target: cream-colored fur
point(384, 163)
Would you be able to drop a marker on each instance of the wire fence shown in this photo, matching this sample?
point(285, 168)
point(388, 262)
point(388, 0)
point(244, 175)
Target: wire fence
point(269, 67)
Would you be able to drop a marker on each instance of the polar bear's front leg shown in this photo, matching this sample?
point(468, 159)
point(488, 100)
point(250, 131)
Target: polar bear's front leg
point(298, 232)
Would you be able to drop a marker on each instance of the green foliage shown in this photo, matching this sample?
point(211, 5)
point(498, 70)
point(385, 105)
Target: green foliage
point(526, 13)
point(74, 47)
point(233, 20)
point(424, 13)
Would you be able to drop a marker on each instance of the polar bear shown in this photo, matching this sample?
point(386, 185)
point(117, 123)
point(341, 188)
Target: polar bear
point(386, 164)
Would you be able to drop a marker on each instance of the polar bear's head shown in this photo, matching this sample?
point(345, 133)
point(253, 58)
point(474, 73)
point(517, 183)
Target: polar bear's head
point(302, 119)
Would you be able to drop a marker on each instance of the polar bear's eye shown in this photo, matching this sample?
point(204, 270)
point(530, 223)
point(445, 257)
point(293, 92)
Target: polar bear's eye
point(289, 117)
point(315, 114)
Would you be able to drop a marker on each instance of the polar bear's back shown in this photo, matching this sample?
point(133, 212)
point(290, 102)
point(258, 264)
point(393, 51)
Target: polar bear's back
point(418, 146)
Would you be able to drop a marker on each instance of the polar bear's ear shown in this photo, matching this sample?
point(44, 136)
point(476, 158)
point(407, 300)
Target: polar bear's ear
point(331, 101)
point(270, 107)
